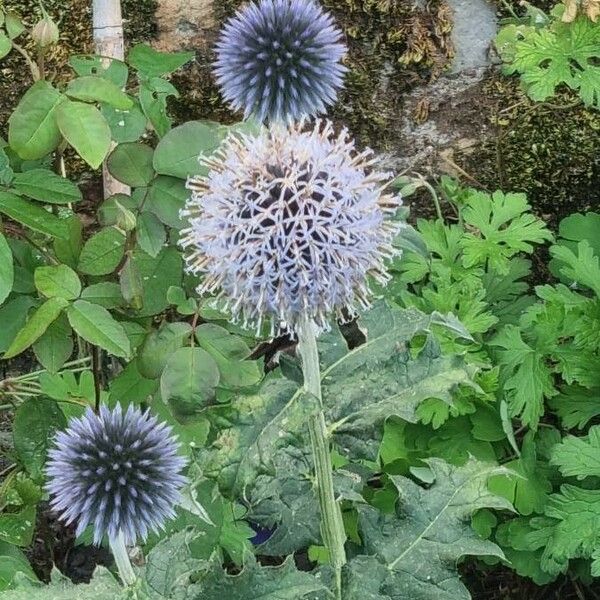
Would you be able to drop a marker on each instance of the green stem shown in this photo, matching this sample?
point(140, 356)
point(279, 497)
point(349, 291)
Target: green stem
point(332, 525)
point(126, 572)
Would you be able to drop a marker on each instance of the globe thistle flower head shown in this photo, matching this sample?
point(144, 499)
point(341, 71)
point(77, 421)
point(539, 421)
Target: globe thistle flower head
point(279, 60)
point(117, 471)
point(288, 225)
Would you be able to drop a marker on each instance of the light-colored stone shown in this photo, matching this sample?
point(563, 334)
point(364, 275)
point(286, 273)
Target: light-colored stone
point(183, 24)
point(475, 26)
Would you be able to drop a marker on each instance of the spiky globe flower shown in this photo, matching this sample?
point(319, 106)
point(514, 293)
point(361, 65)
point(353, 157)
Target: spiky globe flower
point(279, 60)
point(117, 471)
point(288, 225)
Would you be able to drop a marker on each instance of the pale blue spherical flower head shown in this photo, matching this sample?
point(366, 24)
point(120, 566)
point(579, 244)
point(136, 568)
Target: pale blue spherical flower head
point(118, 471)
point(290, 225)
point(279, 60)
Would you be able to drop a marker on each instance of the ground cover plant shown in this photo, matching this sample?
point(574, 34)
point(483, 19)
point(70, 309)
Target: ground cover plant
point(252, 373)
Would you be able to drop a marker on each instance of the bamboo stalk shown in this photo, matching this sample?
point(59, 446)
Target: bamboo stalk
point(109, 42)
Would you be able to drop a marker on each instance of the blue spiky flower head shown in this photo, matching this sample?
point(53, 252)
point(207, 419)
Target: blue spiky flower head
point(279, 60)
point(289, 224)
point(117, 471)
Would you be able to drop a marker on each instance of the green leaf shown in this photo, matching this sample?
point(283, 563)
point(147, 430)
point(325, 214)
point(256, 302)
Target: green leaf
point(33, 216)
point(166, 198)
point(151, 234)
point(131, 387)
point(102, 253)
point(158, 275)
point(7, 272)
point(105, 293)
point(96, 325)
point(14, 25)
point(576, 406)
point(528, 380)
point(132, 287)
point(33, 131)
point(112, 69)
point(421, 544)
point(265, 583)
point(560, 54)
point(125, 125)
point(504, 228)
point(60, 281)
point(46, 186)
point(13, 561)
point(13, 316)
point(36, 421)
point(55, 346)
point(90, 88)
point(159, 345)
point(582, 267)
point(579, 456)
point(6, 171)
point(188, 381)
point(103, 586)
point(84, 127)
point(152, 63)
point(178, 152)
point(131, 164)
point(5, 45)
point(153, 96)
point(17, 528)
point(67, 249)
point(37, 324)
point(230, 353)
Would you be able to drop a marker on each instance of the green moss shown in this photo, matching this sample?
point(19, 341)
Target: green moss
point(392, 47)
point(549, 150)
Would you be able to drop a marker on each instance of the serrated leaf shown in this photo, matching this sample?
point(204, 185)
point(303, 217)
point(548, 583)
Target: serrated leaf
point(576, 406)
point(33, 131)
point(504, 228)
point(579, 456)
point(36, 325)
point(105, 293)
point(421, 544)
point(583, 267)
point(103, 586)
point(96, 325)
point(46, 186)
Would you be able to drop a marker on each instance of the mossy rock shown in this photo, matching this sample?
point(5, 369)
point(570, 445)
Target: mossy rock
point(549, 150)
point(393, 46)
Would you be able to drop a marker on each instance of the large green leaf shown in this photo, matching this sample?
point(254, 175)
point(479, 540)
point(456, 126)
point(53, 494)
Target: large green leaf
point(55, 346)
point(131, 164)
point(90, 88)
point(7, 272)
point(160, 344)
point(33, 216)
point(188, 381)
point(13, 316)
point(59, 281)
point(35, 423)
point(101, 66)
point(102, 253)
point(166, 198)
point(429, 533)
point(152, 63)
point(46, 186)
point(13, 561)
point(32, 130)
point(96, 325)
point(37, 324)
point(178, 152)
point(84, 127)
point(103, 586)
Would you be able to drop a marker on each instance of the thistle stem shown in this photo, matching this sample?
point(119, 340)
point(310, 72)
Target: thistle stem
point(332, 525)
point(119, 550)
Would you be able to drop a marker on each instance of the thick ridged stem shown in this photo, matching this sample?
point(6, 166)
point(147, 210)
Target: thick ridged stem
point(332, 525)
point(119, 550)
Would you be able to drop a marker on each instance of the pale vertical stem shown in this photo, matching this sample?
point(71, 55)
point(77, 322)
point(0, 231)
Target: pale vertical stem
point(109, 42)
point(332, 525)
point(119, 550)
